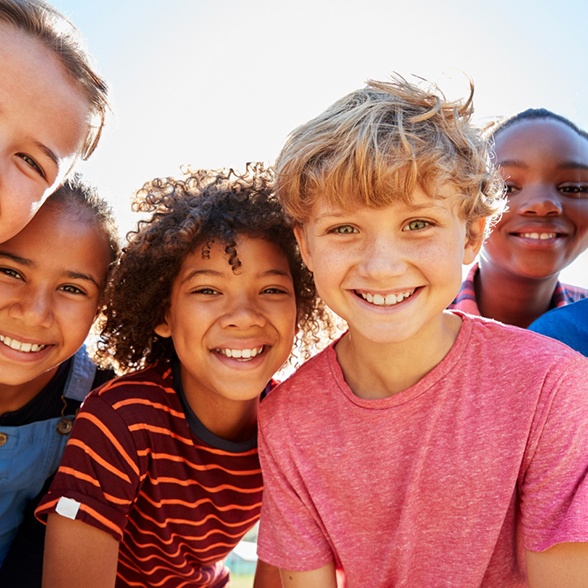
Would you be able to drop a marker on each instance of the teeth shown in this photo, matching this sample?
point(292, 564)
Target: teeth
point(240, 353)
point(388, 300)
point(539, 236)
point(18, 346)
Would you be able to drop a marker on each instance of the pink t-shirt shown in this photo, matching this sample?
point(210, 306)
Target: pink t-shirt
point(443, 484)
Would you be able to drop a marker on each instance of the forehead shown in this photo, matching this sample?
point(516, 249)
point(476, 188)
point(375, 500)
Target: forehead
point(541, 136)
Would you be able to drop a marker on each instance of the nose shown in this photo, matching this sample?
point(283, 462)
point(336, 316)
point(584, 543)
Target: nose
point(243, 312)
point(33, 308)
point(540, 201)
point(383, 258)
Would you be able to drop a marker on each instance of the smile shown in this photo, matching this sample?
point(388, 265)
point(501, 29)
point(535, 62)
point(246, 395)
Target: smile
point(388, 300)
point(242, 354)
point(539, 236)
point(19, 346)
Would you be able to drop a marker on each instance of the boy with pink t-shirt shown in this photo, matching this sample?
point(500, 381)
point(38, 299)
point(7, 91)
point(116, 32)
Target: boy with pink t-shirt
point(425, 447)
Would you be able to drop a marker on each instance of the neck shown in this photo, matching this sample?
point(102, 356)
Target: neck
point(14, 397)
point(510, 299)
point(373, 370)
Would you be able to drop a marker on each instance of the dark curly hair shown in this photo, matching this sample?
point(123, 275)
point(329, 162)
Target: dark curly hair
point(203, 207)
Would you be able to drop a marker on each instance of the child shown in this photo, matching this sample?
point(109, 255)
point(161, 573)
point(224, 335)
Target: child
point(161, 478)
point(543, 158)
point(424, 447)
point(52, 107)
point(52, 275)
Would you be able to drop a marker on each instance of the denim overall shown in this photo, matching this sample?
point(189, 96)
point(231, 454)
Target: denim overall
point(29, 454)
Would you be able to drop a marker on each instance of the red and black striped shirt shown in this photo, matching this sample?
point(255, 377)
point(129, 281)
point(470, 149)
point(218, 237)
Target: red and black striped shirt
point(144, 469)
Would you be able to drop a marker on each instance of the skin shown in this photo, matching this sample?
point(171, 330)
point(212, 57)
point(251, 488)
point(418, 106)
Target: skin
point(212, 308)
point(43, 122)
point(545, 167)
point(49, 294)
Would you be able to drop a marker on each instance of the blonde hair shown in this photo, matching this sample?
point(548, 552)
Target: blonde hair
point(372, 148)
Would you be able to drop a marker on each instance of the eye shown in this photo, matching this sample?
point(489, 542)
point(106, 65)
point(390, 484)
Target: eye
point(7, 271)
point(33, 164)
point(511, 189)
point(416, 225)
point(274, 290)
point(574, 190)
point(71, 289)
point(205, 291)
point(343, 230)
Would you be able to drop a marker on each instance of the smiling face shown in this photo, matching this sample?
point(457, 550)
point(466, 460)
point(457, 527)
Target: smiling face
point(389, 272)
point(232, 330)
point(51, 276)
point(545, 166)
point(43, 122)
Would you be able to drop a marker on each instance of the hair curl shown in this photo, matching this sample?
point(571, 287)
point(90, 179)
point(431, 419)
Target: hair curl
point(203, 207)
point(372, 148)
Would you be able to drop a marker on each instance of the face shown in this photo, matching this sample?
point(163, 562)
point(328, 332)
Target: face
point(389, 272)
point(51, 276)
point(231, 330)
point(545, 166)
point(42, 127)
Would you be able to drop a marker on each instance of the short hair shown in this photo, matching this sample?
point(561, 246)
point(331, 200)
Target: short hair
point(46, 24)
point(82, 199)
point(496, 127)
point(372, 148)
point(205, 206)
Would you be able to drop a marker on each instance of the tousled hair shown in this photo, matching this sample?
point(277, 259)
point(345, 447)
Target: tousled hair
point(55, 32)
point(375, 145)
point(188, 215)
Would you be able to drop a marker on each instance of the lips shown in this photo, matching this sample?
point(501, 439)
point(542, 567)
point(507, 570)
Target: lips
point(242, 354)
point(385, 299)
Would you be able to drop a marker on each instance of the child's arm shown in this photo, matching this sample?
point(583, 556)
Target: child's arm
point(324, 577)
point(77, 554)
point(266, 576)
point(564, 565)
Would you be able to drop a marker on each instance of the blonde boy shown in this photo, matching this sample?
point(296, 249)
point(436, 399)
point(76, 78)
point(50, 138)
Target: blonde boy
point(425, 447)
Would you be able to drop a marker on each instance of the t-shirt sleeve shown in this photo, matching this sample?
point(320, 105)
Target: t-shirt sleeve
point(290, 534)
point(98, 479)
point(554, 486)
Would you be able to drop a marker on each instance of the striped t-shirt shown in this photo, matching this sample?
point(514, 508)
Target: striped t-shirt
point(143, 468)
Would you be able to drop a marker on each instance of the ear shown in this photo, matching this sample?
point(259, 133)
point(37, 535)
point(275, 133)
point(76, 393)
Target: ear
point(303, 245)
point(163, 329)
point(474, 239)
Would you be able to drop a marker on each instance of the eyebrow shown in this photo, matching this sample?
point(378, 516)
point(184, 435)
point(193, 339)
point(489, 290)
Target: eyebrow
point(563, 165)
point(29, 263)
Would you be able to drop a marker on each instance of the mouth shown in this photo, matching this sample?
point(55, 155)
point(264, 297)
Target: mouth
point(240, 354)
point(537, 236)
point(20, 346)
point(385, 300)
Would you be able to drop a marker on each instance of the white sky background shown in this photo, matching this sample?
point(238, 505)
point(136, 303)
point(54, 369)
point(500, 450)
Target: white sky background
point(217, 83)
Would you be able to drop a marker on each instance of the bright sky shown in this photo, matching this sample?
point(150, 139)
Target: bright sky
point(217, 83)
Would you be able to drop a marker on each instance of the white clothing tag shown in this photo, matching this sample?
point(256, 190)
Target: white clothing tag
point(67, 507)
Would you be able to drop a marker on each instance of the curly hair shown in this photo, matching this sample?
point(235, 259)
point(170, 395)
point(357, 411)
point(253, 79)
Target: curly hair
point(372, 147)
point(205, 206)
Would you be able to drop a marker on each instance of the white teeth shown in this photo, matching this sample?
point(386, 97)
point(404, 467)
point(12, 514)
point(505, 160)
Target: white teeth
point(240, 353)
point(18, 346)
point(539, 236)
point(388, 300)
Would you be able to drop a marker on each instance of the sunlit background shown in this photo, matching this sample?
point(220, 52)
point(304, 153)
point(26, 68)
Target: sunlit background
point(217, 83)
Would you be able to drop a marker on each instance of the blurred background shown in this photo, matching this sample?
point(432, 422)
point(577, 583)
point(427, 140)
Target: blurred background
point(217, 83)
